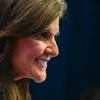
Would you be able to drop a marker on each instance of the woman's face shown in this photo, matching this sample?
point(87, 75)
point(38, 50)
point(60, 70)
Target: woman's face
point(31, 54)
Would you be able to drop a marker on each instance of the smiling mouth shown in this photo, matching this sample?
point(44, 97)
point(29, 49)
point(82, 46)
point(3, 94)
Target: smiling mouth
point(43, 63)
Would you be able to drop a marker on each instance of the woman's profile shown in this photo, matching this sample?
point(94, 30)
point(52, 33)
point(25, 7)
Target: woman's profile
point(27, 42)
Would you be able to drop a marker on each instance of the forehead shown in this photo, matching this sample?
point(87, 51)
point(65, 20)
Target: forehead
point(54, 26)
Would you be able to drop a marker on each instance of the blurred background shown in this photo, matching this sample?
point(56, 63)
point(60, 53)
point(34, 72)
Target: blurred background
point(75, 73)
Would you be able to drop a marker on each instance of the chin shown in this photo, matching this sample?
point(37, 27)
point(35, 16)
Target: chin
point(39, 79)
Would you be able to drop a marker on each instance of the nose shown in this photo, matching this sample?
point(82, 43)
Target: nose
point(52, 49)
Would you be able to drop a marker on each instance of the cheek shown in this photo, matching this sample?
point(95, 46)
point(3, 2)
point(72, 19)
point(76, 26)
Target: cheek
point(25, 52)
point(29, 49)
point(34, 49)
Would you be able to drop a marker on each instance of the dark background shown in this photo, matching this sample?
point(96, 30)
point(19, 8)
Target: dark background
point(78, 65)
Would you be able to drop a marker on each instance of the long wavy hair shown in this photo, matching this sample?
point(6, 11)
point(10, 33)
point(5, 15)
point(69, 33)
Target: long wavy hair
point(20, 18)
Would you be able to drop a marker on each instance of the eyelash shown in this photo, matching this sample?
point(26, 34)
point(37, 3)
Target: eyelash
point(44, 35)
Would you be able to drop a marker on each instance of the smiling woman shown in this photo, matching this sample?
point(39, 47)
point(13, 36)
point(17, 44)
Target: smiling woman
point(27, 42)
point(34, 52)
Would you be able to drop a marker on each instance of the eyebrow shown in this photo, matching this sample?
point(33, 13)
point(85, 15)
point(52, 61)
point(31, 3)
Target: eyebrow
point(58, 33)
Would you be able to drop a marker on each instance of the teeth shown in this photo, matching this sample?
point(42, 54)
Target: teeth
point(43, 63)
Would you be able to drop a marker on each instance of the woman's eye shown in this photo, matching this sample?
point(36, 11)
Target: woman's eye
point(43, 35)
